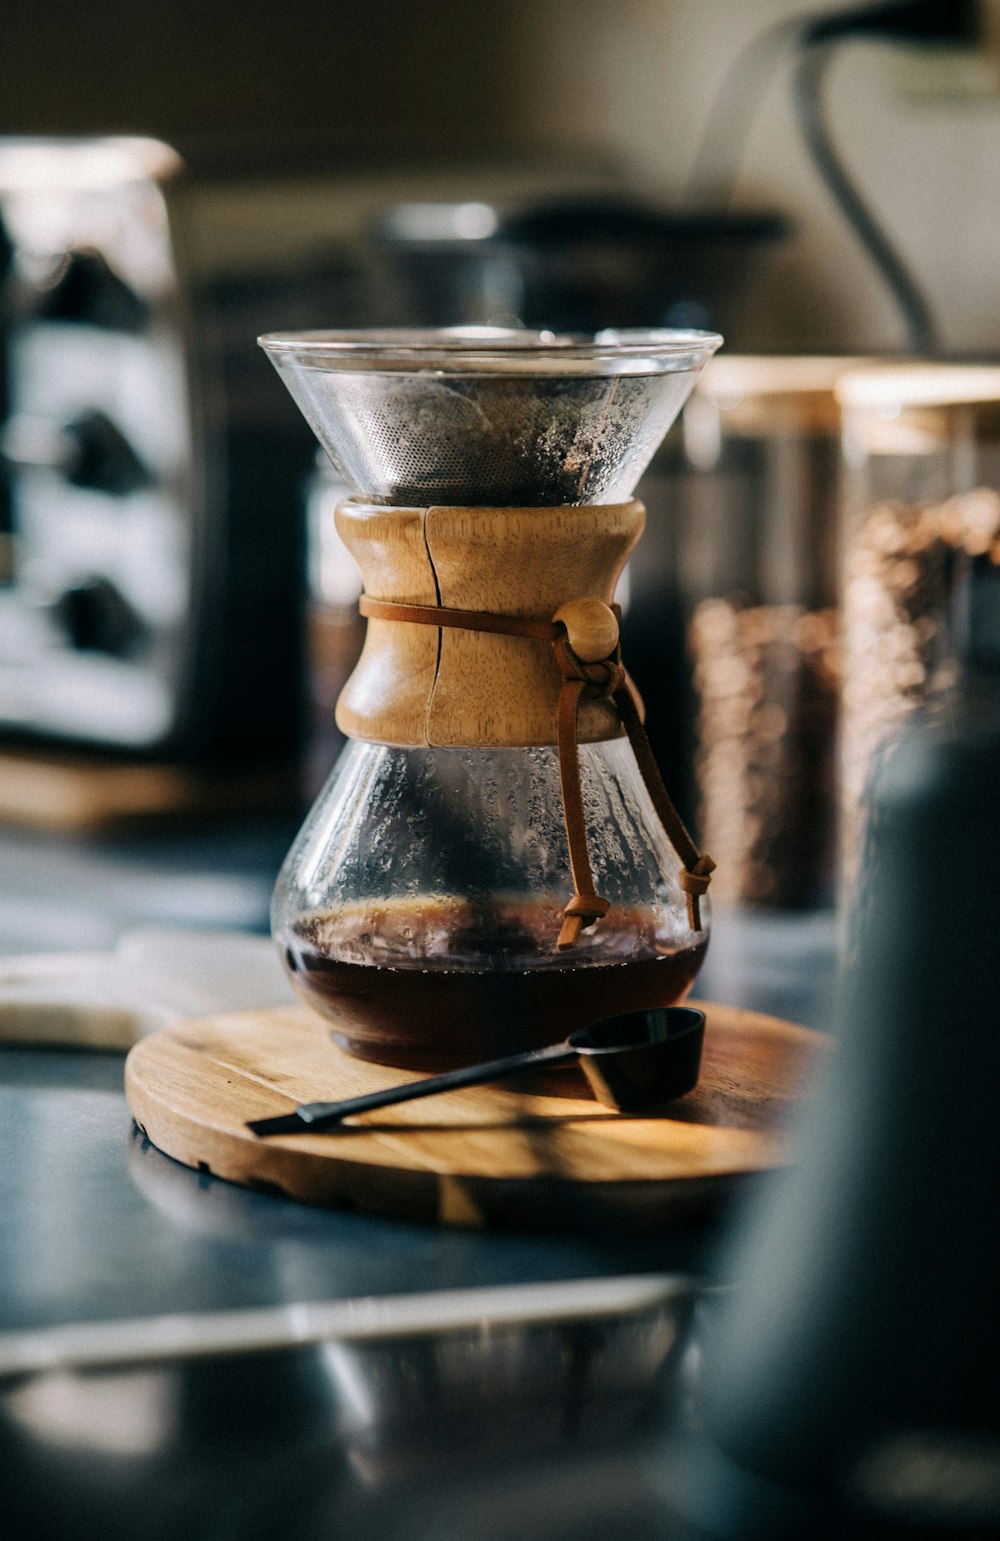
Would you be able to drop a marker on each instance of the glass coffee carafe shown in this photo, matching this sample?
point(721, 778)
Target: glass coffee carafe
point(443, 903)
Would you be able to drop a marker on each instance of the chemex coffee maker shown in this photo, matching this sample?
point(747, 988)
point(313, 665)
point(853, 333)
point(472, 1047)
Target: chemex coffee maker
point(495, 861)
point(494, 883)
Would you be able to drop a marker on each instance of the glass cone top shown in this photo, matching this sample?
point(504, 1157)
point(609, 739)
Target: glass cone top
point(490, 417)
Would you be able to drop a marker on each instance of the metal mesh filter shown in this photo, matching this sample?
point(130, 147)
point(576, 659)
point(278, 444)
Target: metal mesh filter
point(490, 436)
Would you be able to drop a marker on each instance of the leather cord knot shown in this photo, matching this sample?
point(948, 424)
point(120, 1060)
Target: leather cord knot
point(583, 910)
point(694, 882)
point(600, 678)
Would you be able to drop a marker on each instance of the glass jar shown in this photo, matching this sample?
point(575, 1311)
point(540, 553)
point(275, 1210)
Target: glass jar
point(758, 573)
point(420, 905)
point(921, 558)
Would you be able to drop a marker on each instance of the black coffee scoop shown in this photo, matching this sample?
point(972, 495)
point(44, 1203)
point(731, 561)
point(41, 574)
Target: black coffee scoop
point(635, 1061)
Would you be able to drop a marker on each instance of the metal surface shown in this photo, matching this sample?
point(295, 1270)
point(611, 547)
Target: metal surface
point(96, 1224)
point(538, 1433)
point(154, 1340)
point(102, 1237)
point(332, 1439)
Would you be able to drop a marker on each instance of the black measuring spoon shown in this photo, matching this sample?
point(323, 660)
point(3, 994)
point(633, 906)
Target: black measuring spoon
point(640, 1059)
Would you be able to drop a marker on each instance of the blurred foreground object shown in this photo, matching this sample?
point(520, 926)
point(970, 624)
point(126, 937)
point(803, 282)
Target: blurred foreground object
point(155, 975)
point(851, 1389)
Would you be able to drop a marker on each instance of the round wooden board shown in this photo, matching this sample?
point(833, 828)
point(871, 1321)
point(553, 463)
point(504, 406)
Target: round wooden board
point(487, 1155)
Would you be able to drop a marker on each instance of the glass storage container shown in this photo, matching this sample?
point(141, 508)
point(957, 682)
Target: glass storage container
point(921, 557)
point(758, 561)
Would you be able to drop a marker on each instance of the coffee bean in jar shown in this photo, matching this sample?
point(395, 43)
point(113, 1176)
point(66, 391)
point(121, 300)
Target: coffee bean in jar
point(759, 571)
point(920, 539)
point(905, 572)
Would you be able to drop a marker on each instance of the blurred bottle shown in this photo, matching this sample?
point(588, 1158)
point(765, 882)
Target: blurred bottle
point(850, 1388)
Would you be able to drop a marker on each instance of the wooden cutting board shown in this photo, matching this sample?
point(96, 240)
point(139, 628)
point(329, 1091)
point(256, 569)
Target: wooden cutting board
point(487, 1155)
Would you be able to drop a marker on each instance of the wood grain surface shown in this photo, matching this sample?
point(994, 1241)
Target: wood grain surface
point(385, 699)
point(421, 684)
point(525, 562)
point(486, 1155)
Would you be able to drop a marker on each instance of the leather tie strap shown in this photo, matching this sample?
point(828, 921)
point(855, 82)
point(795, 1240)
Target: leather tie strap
point(604, 679)
point(591, 681)
point(463, 620)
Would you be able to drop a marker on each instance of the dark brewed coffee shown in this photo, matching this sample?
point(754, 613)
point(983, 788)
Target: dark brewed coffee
point(437, 1017)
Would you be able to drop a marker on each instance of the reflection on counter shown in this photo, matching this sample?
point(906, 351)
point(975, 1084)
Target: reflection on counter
point(330, 1439)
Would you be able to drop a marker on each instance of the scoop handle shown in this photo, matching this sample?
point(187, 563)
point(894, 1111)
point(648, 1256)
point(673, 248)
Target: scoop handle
point(312, 1116)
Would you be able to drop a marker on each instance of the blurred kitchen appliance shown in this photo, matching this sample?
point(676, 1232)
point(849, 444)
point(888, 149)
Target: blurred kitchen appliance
point(153, 589)
point(574, 263)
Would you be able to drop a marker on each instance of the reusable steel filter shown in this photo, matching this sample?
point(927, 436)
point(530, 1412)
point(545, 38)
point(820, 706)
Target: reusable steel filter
point(512, 419)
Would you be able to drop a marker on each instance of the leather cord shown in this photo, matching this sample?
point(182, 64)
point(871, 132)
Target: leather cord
point(605, 679)
point(463, 620)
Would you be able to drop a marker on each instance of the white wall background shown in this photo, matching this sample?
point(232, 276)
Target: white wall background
point(366, 82)
point(638, 77)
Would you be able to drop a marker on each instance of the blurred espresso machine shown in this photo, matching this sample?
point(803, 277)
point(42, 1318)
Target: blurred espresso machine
point(151, 560)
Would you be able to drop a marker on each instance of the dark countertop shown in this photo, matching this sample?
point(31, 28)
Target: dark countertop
point(97, 1225)
point(63, 895)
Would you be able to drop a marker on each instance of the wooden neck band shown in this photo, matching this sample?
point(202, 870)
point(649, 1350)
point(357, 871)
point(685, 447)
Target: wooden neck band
point(419, 685)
